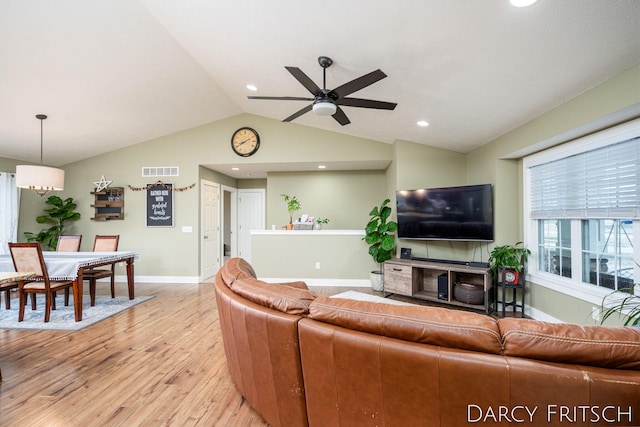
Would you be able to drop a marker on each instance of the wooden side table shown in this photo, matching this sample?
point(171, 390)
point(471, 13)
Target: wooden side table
point(513, 302)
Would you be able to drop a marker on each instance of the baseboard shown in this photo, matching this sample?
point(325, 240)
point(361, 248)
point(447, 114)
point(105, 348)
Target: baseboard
point(160, 279)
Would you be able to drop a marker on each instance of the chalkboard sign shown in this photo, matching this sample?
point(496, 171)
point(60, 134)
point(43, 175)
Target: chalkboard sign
point(160, 205)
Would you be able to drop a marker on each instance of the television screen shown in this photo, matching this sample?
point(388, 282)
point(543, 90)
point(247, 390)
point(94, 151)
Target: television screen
point(451, 213)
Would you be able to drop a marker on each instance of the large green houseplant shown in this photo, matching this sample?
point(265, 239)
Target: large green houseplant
point(381, 240)
point(60, 212)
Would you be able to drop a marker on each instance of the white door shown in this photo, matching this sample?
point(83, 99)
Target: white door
point(251, 216)
point(210, 212)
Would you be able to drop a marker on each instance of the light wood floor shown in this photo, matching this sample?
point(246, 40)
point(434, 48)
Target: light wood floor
point(160, 363)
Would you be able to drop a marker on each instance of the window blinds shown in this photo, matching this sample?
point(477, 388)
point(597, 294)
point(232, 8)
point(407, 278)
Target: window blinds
point(601, 183)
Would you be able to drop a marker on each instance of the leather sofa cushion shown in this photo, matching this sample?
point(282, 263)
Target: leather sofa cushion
point(603, 346)
point(234, 269)
point(429, 325)
point(281, 297)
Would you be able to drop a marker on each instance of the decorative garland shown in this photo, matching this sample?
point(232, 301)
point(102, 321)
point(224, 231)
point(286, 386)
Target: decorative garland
point(165, 186)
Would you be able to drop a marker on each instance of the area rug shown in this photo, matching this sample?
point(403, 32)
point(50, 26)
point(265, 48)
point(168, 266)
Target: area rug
point(359, 296)
point(63, 318)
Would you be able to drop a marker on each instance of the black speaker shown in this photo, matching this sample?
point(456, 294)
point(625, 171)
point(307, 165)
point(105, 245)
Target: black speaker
point(443, 287)
point(405, 253)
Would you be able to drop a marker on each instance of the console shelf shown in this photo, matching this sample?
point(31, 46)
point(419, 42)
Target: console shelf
point(437, 281)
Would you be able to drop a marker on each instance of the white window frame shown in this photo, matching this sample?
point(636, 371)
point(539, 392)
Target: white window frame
point(572, 286)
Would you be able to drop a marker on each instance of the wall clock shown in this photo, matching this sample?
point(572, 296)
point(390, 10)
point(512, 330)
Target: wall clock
point(245, 142)
point(511, 277)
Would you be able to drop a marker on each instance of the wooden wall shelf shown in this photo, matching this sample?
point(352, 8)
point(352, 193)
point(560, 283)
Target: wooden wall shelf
point(108, 204)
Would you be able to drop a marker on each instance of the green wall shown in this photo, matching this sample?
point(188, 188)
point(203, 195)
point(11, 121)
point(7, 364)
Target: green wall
point(172, 253)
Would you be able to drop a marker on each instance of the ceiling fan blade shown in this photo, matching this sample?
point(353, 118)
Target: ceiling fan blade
point(281, 98)
point(304, 80)
point(299, 113)
point(357, 84)
point(366, 103)
point(341, 117)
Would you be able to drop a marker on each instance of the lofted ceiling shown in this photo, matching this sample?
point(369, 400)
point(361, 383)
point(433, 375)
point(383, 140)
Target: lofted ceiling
point(115, 73)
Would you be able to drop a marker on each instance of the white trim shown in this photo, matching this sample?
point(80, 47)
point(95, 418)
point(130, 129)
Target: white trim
point(591, 142)
point(307, 232)
point(356, 283)
point(160, 279)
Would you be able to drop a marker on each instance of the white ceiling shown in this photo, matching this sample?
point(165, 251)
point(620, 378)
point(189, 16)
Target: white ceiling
point(115, 73)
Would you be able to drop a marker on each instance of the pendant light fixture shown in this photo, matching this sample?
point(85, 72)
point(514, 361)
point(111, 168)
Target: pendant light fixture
point(40, 179)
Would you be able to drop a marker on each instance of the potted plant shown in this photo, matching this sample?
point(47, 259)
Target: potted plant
point(511, 259)
point(293, 205)
point(622, 302)
point(379, 235)
point(57, 215)
point(320, 222)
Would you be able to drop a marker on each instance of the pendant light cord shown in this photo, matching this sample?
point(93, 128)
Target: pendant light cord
point(41, 117)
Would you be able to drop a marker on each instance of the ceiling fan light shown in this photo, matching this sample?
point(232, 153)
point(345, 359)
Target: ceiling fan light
point(325, 108)
point(522, 3)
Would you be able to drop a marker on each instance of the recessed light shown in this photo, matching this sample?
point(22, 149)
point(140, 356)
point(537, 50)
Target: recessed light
point(423, 123)
point(235, 169)
point(322, 167)
point(252, 88)
point(522, 3)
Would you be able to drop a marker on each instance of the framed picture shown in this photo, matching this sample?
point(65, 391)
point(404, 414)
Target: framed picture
point(159, 205)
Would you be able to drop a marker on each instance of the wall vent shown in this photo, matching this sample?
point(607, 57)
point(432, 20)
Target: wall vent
point(160, 171)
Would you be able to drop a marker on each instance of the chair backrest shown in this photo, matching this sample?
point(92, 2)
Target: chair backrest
point(27, 257)
point(69, 243)
point(106, 243)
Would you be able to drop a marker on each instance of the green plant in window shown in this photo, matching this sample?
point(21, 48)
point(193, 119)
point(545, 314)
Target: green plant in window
point(622, 303)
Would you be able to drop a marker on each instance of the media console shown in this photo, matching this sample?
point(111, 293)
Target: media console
point(437, 281)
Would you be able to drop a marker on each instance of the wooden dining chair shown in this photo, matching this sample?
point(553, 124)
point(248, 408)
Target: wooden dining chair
point(6, 288)
point(102, 243)
point(27, 257)
point(69, 243)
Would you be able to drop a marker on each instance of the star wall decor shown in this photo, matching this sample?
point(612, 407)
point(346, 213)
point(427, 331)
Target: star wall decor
point(102, 184)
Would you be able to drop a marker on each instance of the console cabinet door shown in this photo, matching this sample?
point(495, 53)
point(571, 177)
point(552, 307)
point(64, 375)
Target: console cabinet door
point(397, 278)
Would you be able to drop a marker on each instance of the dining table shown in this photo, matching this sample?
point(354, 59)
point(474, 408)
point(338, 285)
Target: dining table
point(70, 265)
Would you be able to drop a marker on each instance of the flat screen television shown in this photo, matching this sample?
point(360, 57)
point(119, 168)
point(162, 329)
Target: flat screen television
point(450, 213)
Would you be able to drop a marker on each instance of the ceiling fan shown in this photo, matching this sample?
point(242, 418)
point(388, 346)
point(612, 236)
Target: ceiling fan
point(327, 102)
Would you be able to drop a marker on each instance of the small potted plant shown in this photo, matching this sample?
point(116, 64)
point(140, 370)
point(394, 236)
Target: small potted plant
point(320, 222)
point(379, 235)
point(293, 205)
point(511, 259)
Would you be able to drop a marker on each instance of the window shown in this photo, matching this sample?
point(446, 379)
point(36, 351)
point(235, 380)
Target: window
point(607, 253)
point(582, 204)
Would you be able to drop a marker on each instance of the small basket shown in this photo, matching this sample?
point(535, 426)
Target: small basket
point(469, 293)
point(303, 226)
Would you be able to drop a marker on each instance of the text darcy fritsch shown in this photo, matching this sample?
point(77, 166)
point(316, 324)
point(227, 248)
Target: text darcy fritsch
point(551, 413)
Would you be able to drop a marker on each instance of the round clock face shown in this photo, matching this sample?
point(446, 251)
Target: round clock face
point(510, 277)
point(245, 142)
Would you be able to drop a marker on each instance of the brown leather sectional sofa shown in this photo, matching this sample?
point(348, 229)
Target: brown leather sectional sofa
point(304, 360)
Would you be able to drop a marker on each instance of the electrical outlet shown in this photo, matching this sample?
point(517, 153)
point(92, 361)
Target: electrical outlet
point(317, 265)
point(595, 313)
